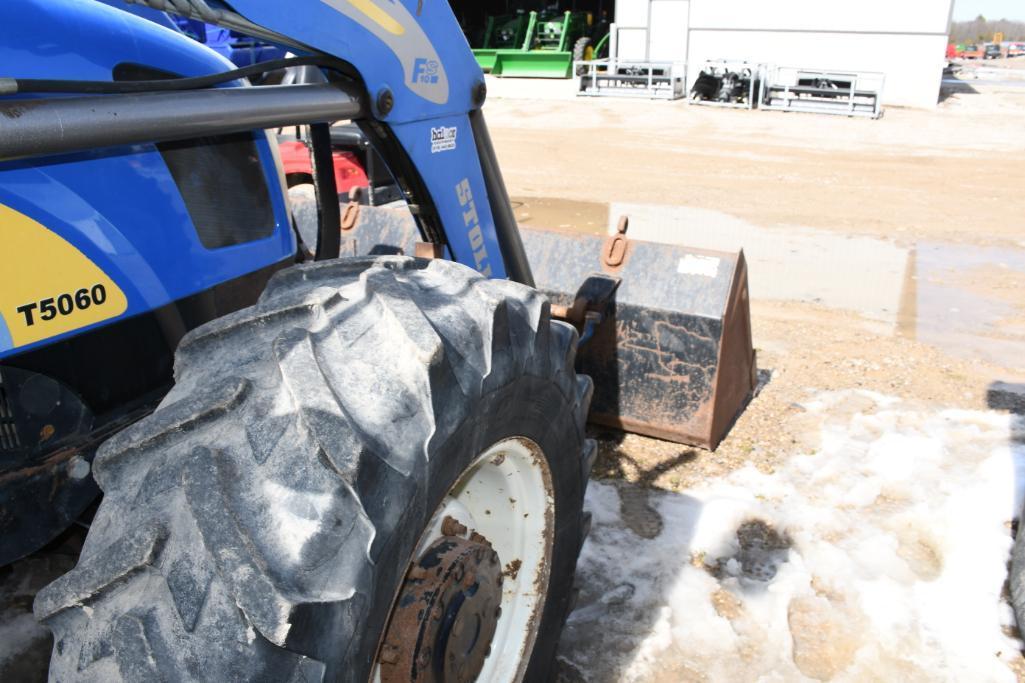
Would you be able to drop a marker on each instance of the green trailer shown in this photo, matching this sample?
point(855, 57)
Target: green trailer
point(535, 45)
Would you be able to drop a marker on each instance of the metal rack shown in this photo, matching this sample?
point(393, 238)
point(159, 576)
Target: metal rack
point(720, 68)
point(629, 78)
point(843, 93)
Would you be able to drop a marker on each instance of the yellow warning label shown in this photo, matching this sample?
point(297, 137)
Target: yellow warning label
point(48, 286)
point(379, 16)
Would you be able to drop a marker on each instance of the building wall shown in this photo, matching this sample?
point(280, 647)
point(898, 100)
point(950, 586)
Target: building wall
point(866, 16)
point(905, 39)
point(653, 30)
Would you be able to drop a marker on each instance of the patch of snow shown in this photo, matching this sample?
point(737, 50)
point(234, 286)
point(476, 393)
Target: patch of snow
point(880, 556)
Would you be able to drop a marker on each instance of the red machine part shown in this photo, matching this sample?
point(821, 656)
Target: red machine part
point(295, 157)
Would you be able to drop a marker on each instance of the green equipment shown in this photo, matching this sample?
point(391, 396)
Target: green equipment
point(536, 44)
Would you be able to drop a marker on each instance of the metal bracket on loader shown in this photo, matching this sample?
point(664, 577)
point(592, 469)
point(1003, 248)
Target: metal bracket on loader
point(616, 248)
point(350, 214)
point(591, 305)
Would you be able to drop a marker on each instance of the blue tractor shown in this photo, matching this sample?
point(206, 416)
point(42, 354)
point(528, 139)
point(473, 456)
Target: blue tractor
point(312, 467)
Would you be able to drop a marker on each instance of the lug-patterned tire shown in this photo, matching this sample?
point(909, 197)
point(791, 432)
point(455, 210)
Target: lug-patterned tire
point(259, 525)
point(582, 51)
point(1016, 575)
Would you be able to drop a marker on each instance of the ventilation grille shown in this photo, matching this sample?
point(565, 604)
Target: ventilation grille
point(220, 178)
point(9, 440)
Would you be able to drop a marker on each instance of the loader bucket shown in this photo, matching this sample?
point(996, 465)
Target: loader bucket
point(672, 357)
point(533, 64)
point(486, 59)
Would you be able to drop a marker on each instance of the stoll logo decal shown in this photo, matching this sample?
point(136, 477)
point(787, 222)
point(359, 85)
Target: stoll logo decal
point(472, 222)
point(424, 71)
point(443, 139)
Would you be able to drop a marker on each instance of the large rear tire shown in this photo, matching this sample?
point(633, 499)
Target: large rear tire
point(259, 525)
point(1016, 577)
point(582, 52)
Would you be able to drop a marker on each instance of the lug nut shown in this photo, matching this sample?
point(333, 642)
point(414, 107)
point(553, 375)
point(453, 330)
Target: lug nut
point(479, 93)
point(385, 101)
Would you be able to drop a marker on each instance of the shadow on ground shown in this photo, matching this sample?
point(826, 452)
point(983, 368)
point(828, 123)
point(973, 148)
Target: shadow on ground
point(951, 87)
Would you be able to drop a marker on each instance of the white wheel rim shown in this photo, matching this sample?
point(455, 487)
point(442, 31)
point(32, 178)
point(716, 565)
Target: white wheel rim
point(506, 496)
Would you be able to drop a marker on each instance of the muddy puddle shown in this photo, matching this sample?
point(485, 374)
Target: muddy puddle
point(563, 214)
point(967, 300)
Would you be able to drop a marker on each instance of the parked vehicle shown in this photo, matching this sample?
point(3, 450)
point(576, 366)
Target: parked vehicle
point(993, 51)
point(539, 44)
point(973, 52)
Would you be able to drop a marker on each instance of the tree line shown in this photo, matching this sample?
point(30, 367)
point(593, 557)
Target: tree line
point(981, 30)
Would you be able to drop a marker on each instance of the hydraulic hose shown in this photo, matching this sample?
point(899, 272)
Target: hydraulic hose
point(12, 86)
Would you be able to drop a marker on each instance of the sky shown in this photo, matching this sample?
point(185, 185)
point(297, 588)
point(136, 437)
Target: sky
point(991, 9)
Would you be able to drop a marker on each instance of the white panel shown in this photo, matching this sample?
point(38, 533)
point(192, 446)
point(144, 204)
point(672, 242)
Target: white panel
point(668, 30)
point(913, 64)
point(633, 43)
point(632, 13)
point(904, 16)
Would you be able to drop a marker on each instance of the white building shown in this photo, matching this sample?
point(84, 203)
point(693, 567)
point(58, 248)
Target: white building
point(904, 39)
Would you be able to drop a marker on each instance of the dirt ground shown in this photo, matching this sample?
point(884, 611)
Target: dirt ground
point(1016, 63)
point(952, 175)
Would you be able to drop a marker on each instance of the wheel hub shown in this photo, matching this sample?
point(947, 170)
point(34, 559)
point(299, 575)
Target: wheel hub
point(447, 612)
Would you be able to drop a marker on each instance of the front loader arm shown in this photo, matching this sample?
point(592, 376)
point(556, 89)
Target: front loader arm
point(424, 89)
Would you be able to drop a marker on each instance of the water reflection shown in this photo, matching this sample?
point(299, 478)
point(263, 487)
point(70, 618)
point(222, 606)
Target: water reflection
point(967, 300)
